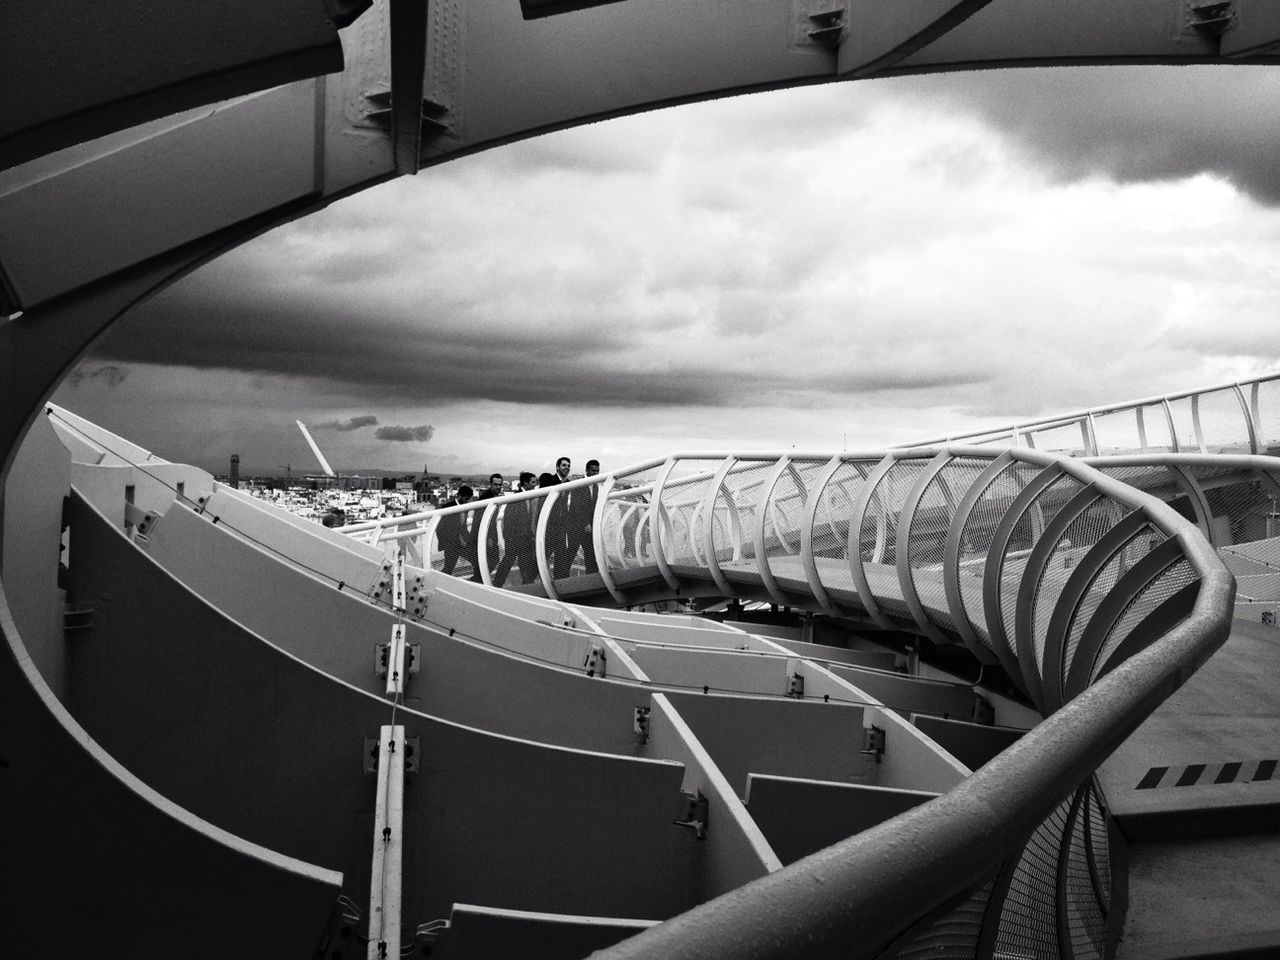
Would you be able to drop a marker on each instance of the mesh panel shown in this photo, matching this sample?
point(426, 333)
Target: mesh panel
point(784, 519)
point(734, 518)
point(1086, 918)
point(1117, 432)
point(1041, 513)
point(456, 543)
point(1156, 426)
point(683, 494)
point(1081, 534)
point(1183, 426)
point(627, 542)
point(1264, 399)
point(1240, 505)
point(831, 529)
point(1028, 926)
point(952, 936)
point(1222, 422)
point(975, 540)
point(1177, 576)
point(1142, 543)
point(1099, 848)
point(927, 550)
point(1065, 438)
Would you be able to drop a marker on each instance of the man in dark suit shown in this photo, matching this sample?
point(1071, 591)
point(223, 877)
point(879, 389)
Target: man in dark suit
point(454, 537)
point(519, 522)
point(581, 512)
point(558, 522)
point(491, 541)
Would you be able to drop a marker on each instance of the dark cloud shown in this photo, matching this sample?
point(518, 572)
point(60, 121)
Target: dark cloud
point(1132, 124)
point(355, 423)
point(109, 373)
point(405, 434)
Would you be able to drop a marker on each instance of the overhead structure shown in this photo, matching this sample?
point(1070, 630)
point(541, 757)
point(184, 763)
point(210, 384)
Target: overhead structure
point(183, 707)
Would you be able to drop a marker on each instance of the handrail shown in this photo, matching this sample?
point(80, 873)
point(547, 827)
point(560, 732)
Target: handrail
point(1017, 431)
point(857, 897)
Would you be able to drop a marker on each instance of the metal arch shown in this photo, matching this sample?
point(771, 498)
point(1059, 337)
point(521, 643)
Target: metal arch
point(1195, 494)
point(1067, 606)
point(1089, 429)
point(597, 542)
point(487, 515)
point(762, 556)
point(1174, 443)
point(993, 602)
point(656, 520)
point(806, 535)
point(1140, 419)
point(1028, 588)
point(708, 534)
point(856, 570)
point(1062, 901)
point(1195, 422)
point(906, 519)
point(1248, 420)
point(1255, 405)
point(540, 543)
point(1128, 588)
point(1168, 613)
point(951, 557)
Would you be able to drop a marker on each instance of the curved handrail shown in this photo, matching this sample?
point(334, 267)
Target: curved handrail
point(858, 896)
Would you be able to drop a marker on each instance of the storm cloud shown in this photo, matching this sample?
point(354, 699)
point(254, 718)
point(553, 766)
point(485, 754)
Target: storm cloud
point(405, 434)
point(354, 423)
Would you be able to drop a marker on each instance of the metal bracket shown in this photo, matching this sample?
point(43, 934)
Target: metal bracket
point(1210, 17)
point(416, 602)
point(594, 664)
point(412, 747)
point(873, 741)
point(795, 686)
point(828, 26)
point(382, 653)
point(428, 934)
point(640, 723)
point(693, 813)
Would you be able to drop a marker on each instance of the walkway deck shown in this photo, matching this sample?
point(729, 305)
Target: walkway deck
point(1196, 793)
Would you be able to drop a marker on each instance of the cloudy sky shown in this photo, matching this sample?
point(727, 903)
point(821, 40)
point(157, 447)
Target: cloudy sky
point(844, 265)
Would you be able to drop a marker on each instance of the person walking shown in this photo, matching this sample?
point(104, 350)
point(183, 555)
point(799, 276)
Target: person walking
point(519, 523)
point(454, 537)
point(581, 515)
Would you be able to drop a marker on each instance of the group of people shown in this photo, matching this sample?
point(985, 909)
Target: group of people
point(568, 528)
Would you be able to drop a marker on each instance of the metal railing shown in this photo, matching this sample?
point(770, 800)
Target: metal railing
point(1094, 583)
point(1238, 417)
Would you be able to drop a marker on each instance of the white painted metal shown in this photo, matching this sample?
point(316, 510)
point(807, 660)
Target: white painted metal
point(386, 881)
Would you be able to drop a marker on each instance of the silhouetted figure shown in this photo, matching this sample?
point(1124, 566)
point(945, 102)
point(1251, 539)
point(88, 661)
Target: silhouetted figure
point(581, 511)
point(558, 524)
point(519, 524)
point(454, 537)
point(493, 490)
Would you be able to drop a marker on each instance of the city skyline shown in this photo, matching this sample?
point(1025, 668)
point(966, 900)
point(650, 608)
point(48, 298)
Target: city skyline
point(843, 265)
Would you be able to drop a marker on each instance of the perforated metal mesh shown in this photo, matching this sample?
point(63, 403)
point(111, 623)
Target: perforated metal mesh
point(1064, 438)
point(831, 529)
point(1177, 576)
point(1183, 425)
point(1081, 534)
point(1099, 848)
point(976, 538)
point(1156, 427)
point(1223, 426)
point(733, 533)
point(927, 551)
point(683, 515)
point(1040, 514)
point(953, 936)
point(1028, 925)
point(785, 512)
point(627, 544)
point(1142, 543)
point(1117, 432)
point(1240, 505)
point(1264, 401)
point(1085, 914)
